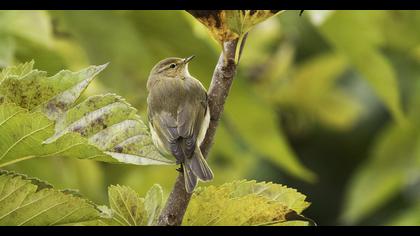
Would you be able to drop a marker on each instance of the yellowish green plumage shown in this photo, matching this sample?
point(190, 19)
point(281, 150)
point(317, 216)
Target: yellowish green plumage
point(179, 117)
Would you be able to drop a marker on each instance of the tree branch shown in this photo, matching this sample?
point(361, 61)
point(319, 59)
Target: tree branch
point(222, 79)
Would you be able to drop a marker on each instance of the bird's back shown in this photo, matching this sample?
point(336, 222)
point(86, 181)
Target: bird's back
point(179, 108)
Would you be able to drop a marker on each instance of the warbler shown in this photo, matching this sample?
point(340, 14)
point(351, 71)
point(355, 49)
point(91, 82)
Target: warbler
point(179, 116)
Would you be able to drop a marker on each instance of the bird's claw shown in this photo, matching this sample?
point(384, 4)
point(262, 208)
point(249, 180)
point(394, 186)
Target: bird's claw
point(180, 169)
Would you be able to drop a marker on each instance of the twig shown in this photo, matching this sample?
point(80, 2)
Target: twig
point(222, 79)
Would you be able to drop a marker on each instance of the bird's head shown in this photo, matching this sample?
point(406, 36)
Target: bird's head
point(172, 67)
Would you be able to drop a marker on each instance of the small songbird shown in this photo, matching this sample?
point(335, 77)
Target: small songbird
point(179, 116)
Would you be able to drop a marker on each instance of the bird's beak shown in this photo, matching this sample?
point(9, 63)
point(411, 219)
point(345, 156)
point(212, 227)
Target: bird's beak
point(188, 59)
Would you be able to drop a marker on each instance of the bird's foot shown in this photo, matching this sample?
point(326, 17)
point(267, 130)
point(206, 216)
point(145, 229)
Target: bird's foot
point(180, 169)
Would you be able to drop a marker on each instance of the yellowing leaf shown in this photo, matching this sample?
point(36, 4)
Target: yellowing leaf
point(229, 25)
point(131, 210)
point(244, 203)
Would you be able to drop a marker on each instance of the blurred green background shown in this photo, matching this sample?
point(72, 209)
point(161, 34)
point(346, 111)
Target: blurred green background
point(328, 103)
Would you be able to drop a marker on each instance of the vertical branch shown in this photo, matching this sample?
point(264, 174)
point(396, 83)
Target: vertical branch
point(222, 79)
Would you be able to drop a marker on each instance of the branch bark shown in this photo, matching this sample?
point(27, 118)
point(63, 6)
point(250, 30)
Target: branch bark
point(222, 79)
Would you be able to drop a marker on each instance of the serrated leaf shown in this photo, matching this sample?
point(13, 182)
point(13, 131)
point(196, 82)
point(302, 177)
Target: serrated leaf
point(129, 209)
point(32, 89)
point(227, 25)
point(361, 46)
point(112, 125)
point(153, 203)
point(25, 201)
point(22, 134)
point(109, 128)
point(17, 70)
point(244, 203)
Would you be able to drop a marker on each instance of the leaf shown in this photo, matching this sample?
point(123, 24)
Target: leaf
point(7, 50)
point(112, 125)
point(260, 130)
point(394, 162)
point(312, 90)
point(130, 45)
point(244, 203)
point(32, 89)
point(22, 134)
point(394, 154)
point(109, 128)
point(131, 210)
point(153, 204)
point(31, 26)
point(407, 217)
point(25, 201)
point(227, 25)
point(357, 35)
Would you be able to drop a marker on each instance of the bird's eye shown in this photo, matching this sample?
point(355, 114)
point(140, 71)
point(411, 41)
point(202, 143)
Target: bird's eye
point(173, 65)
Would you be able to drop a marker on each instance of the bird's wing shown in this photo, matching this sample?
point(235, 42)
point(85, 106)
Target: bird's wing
point(165, 126)
point(190, 119)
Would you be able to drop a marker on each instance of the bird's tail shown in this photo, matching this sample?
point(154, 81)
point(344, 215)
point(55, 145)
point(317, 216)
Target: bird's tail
point(189, 178)
point(200, 167)
point(196, 167)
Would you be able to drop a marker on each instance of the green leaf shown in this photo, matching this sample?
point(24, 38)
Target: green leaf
point(394, 163)
point(407, 217)
point(7, 50)
point(32, 89)
point(128, 209)
point(22, 134)
point(25, 201)
point(112, 125)
point(32, 26)
point(131, 56)
point(312, 90)
point(358, 36)
point(109, 128)
point(260, 129)
point(244, 203)
point(394, 154)
point(153, 204)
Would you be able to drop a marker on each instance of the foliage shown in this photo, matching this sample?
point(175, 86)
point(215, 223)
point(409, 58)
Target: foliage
point(41, 116)
point(26, 201)
point(245, 203)
point(126, 140)
point(334, 94)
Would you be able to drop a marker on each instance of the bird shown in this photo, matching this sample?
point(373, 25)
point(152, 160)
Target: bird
point(179, 115)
